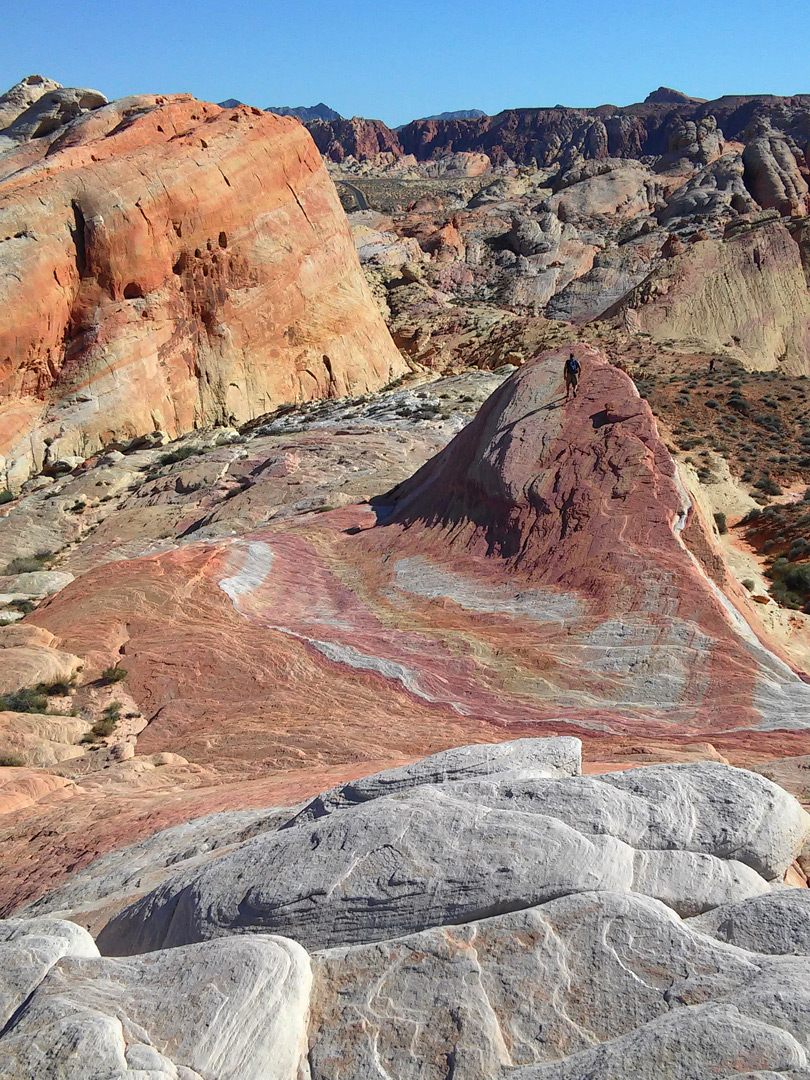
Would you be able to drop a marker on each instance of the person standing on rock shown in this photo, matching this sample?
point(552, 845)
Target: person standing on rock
point(571, 373)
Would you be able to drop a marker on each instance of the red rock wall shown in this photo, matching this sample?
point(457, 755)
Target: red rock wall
point(166, 264)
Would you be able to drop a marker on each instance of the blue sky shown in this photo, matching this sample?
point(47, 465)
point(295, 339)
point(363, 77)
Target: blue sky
point(400, 61)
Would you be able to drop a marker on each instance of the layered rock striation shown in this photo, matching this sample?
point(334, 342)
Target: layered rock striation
point(167, 263)
point(486, 907)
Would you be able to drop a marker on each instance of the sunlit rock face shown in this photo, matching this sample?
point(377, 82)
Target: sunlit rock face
point(167, 263)
point(487, 905)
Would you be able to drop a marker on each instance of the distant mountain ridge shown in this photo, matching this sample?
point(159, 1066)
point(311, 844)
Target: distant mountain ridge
point(660, 125)
point(306, 113)
point(458, 114)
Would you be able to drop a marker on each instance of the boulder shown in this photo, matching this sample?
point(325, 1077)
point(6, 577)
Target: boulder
point(605, 186)
point(234, 1010)
point(693, 836)
point(774, 176)
point(778, 923)
point(717, 191)
point(22, 95)
point(37, 584)
point(556, 990)
point(41, 739)
point(547, 758)
point(27, 665)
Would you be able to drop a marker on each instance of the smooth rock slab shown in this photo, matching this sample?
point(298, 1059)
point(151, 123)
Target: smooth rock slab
point(226, 1010)
point(693, 1044)
point(544, 987)
point(540, 758)
point(777, 923)
point(433, 856)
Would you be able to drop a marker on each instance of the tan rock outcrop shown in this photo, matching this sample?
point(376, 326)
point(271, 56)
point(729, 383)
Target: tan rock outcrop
point(746, 295)
point(773, 174)
point(168, 263)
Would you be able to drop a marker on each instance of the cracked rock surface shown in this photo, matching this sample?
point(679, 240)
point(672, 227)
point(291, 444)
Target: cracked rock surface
point(487, 913)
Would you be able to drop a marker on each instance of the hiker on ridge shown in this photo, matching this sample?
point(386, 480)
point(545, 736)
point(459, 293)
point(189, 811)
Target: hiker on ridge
point(571, 373)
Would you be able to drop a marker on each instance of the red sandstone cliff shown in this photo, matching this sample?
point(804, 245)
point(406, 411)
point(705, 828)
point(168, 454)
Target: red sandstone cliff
point(167, 263)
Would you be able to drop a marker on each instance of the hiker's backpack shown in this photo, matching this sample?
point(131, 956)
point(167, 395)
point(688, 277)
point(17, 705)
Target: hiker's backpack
point(572, 365)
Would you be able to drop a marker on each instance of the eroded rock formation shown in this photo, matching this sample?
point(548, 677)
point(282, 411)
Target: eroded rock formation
point(166, 264)
point(488, 906)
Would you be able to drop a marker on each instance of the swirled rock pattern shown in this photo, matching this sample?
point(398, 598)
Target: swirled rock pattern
point(485, 910)
point(230, 1010)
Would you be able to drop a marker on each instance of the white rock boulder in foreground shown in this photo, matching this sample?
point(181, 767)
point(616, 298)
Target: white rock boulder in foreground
point(485, 913)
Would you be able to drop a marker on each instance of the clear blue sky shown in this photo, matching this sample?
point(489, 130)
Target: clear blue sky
point(400, 61)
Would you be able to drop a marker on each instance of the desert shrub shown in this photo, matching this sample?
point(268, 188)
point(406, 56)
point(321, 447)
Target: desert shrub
point(27, 700)
point(711, 403)
point(55, 689)
point(797, 578)
point(5, 496)
point(106, 723)
point(768, 485)
point(11, 761)
point(114, 674)
point(720, 522)
point(28, 564)
point(770, 423)
point(749, 583)
point(25, 606)
point(180, 454)
point(786, 597)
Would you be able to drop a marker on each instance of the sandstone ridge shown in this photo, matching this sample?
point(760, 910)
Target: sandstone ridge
point(195, 253)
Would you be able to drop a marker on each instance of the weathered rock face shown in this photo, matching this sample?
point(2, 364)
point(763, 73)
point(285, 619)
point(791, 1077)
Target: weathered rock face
point(773, 173)
point(538, 576)
point(565, 958)
point(170, 263)
point(746, 295)
point(236, 1009)
point(16, 100)
point(358, 137)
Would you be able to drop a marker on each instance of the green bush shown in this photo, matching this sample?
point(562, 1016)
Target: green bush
point(25, 606)
point(28, 700)
point(5, 496)
point(749, 583)
point(720, 522)
point(106, 723)
point(768, 485)
point(114, 674)
point(12, 761)
point(797, 578)
point(180, 454)
point(55, 689)
point(28, 564)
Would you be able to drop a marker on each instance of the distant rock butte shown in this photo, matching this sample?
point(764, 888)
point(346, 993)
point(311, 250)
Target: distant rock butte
point(665, 95)
point(197, 254)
